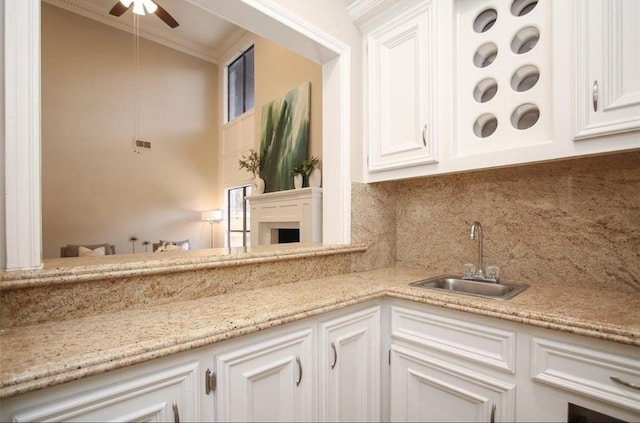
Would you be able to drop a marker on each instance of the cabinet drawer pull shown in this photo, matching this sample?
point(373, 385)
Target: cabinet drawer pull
point(625, 383)
point(335, 355)
point(209, 381)
point(493, 413)
point(595, 95)
point(176, 413)
point(299, 371)
point(424, 135)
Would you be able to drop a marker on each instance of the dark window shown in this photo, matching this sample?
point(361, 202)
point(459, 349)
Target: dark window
point(238, 218)
point(240, 85)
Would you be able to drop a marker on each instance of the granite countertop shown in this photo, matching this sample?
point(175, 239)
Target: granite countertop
point(42, 355)
point(78, 269)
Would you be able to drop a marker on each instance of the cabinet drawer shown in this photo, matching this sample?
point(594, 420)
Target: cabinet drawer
point(480, 344)
point(586, 371)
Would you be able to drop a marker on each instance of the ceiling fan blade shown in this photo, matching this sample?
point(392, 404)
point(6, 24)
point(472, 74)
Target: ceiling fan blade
point(118, 9)
point(165, 16)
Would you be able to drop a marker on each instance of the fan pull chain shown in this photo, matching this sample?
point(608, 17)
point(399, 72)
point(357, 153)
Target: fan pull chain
point(136, 87)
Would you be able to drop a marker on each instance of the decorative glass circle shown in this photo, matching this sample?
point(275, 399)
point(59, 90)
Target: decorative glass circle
point(485, 125)
point(525, 116)
point(485, 90)
point(485, 20)
point(525, 78)
point(522, 7)
point(525, 40)
point(485, 55)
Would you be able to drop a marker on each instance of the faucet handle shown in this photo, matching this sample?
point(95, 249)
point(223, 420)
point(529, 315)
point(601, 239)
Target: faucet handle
point(493, 272)
point(469, 271)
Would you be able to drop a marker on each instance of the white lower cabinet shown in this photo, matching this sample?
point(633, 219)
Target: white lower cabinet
point(600, 376)
point(447, 369)
point(162, 390)
point(427, 389)
point(447, 365)
point(349, 367)
point(268, 381)
point(443, 365)
point(273, 378)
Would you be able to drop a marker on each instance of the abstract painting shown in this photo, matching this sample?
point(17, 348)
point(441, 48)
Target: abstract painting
point(284, 137)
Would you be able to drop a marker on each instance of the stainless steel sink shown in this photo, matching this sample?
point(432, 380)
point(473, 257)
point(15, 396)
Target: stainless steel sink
point(496, 290)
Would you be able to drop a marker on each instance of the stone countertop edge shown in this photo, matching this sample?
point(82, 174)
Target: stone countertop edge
point(560, 323)
point(61, 271)
point(536, 307)
point(105, 364)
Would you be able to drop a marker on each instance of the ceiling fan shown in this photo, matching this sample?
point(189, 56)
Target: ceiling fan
point(139, 8)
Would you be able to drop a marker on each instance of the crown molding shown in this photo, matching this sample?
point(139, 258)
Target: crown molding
point(181, 44)
point(369, 13)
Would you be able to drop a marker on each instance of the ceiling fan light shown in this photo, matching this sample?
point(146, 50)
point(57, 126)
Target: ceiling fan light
point(126, 3)
point(150, 6)
point(138, 9)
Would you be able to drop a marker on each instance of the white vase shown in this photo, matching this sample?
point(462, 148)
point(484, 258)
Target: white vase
point(297, 181)
point(315, 178)
point(258, 186)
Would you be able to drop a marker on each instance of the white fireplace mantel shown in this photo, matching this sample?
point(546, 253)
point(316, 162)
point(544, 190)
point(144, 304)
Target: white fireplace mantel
point(292, 209)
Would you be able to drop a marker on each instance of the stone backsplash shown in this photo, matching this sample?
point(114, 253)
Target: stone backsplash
point(572, 222)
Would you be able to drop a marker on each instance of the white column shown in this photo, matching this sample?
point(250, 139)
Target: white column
point(23, 230)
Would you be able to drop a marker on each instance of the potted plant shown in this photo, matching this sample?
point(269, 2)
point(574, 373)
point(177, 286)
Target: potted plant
point(298, 172)
point(312, 172)
point(307, 169)
point(253, 163)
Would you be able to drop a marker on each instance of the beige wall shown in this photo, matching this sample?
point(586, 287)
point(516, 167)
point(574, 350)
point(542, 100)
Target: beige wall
point(278, 71)
point(573, 222)
point(95, 187)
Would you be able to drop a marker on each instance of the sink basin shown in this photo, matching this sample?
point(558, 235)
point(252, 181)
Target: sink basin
point(498, 291)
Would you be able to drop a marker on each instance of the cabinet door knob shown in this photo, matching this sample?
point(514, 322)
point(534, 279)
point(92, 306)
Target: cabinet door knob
point(335, 355)
point(176, 413)
point(493, 413)
point(595, 95)
point(625, 383)
point(299, 371)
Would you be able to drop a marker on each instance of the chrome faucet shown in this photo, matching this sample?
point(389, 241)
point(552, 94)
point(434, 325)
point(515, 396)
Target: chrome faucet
point(477, 227)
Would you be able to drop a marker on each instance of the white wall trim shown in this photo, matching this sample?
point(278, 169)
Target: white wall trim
point(23, 221)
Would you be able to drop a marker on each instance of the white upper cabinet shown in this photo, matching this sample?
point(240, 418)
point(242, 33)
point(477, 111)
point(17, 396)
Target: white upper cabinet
point(401, 71)
point(608, 81)
point(503, 79)
point(458, 85)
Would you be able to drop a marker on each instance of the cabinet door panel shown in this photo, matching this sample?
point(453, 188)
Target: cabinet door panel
point(608, 87)
point(148, 398)
point(400, 74)
point(268, 381)
point(350, 367)
point(427, 389)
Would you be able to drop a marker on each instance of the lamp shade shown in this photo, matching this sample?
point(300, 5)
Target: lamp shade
point(211, 215)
